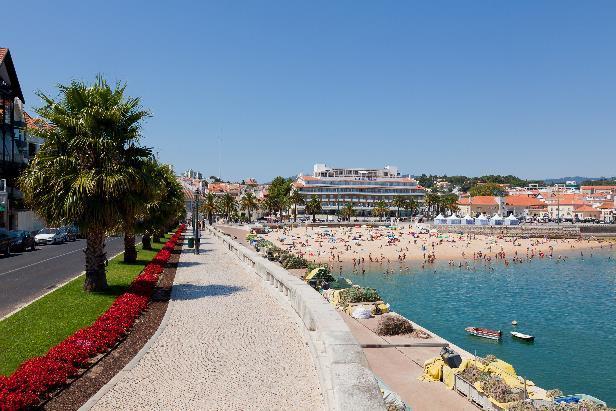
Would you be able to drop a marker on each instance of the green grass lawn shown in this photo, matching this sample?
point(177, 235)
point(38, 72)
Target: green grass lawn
point(35, 329)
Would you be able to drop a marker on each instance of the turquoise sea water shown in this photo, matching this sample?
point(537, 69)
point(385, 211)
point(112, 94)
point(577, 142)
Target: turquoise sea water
point(570, 307)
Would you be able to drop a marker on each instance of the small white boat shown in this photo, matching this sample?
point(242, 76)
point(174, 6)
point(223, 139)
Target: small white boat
point(521, 336)
point(484, 333)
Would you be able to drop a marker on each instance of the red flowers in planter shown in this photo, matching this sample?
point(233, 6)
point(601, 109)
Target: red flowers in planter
point(37, 377)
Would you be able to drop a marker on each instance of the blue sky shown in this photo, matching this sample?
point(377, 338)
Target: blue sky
point(271, 87)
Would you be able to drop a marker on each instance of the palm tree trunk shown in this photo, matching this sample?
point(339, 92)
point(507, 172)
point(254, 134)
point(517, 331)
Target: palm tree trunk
point(295, 213)
point(146, 240)
point(96, 257)
point(210, 217)
point(249, 216)
point(130, 251)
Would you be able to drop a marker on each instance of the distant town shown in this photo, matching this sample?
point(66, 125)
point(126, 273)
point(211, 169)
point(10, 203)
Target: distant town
point(386, 192)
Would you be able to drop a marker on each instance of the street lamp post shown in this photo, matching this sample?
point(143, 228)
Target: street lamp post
point(196, 224)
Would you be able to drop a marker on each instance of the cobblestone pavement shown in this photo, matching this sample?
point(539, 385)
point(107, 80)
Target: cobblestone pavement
point(228, 345)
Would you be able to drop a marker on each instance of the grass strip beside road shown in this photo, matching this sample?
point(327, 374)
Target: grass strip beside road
point(32, 331)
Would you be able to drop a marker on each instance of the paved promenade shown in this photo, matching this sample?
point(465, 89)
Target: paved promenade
point(227, 344)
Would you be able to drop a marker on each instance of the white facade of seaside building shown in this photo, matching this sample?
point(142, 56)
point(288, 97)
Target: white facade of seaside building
point(361, 187)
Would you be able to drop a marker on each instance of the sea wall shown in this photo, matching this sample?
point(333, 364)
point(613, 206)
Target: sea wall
point(569, 231)
point(346, 379)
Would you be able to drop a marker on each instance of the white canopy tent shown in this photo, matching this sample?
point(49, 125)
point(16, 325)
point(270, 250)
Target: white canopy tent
point(497, 220)
point(440, 219)
point(453, 220)
point(512, 220)
point(482, 220)
point(468, 220)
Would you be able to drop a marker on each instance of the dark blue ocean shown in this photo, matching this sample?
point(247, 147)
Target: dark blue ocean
point(570, 306)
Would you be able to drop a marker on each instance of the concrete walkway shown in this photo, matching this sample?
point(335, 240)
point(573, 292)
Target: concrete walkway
point(226, 344)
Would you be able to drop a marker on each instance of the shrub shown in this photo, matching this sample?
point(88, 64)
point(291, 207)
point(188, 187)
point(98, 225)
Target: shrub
point(394, 325)
point(358, 295)
point(294, 261)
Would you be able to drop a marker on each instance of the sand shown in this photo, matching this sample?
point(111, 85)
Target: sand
point(357, 245)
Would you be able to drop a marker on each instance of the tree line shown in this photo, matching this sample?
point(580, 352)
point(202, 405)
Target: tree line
point(93, 172)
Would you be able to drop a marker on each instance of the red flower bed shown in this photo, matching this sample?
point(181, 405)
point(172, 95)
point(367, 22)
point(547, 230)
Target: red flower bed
point(37, 377)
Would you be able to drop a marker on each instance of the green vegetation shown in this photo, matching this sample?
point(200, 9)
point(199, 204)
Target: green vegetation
point(313, 207)
point(49, 320)
point(92, 171)
point(601, 182)
point(465, 183)
point(487, 189)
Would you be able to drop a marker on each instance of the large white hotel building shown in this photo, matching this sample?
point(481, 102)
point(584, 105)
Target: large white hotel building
point(361, 187)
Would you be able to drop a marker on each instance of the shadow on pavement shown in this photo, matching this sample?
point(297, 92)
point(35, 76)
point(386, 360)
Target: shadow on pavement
point(193, 292)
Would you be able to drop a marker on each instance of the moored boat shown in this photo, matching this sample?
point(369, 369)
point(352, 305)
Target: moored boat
point(524, 337)
point(484, 333)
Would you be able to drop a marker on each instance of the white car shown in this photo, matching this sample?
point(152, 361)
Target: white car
point(49, 236)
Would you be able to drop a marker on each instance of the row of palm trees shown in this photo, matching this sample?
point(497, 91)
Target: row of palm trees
point(230, 208)
point(92, 171)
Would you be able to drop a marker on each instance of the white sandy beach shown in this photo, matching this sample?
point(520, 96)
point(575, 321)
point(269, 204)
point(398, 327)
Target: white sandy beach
point(363, 245)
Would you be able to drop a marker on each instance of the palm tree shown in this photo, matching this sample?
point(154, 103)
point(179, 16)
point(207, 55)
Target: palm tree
point(313, 207)
point(295, 199)
point(79, 175)
point(249, 202)
point(431, 200)
point(347, 211)
point(209, 207)
point(165, 210)
point(399, 202)
point(411, 205)
point(380, 209)
point(146, 180)
point(228, 205)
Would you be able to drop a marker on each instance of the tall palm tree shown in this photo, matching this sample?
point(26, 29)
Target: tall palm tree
point(209, 207)
point(431, 201)
point(411, 205)
point(380, 209)
point(79, 174)
point(347, 212)
point(146, 180)
point(295, 199)
point(249, 202)
point(228, 205)
point(313, 207)
point(399, 202)
point(165, 210)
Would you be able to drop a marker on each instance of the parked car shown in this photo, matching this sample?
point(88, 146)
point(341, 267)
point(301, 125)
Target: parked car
point(22, 240)
point(5, 242)
point(71, 232)
point(50, 236)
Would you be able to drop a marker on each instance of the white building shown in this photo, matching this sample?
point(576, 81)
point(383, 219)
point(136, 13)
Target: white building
point(360, 187)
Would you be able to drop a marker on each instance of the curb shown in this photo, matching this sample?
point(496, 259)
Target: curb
point(55, 287)
point(133, 363)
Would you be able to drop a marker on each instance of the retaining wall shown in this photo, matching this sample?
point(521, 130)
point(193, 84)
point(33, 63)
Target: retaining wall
point(514, 231)
point(346, 379)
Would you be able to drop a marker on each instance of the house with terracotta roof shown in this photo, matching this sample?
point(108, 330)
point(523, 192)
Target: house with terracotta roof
point(610, 189)
point(474, 206)
point(608, 211)
point(586, 212)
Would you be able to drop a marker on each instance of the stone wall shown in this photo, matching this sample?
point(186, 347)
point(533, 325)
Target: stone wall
point(568, 231)
point(346, 379)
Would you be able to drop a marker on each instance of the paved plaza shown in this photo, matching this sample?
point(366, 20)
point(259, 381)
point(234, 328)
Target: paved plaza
point(226, 344)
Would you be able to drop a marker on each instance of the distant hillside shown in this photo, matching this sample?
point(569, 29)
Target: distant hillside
point(577, 179)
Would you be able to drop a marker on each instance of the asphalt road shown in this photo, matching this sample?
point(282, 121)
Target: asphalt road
point(28, 275)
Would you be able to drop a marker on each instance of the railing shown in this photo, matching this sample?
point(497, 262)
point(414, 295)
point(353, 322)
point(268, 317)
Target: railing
point(346, 380)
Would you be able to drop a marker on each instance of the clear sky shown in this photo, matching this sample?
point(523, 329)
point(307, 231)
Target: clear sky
point(271, 87)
